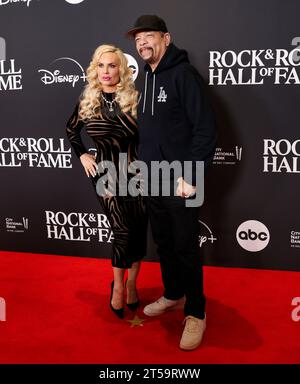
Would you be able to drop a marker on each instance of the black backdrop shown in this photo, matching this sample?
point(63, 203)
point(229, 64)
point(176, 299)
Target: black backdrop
point(247, 53)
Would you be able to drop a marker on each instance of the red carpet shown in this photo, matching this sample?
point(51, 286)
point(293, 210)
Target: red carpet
point(57, 312)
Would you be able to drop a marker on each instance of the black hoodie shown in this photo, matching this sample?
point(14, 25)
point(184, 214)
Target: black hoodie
point(174, 116)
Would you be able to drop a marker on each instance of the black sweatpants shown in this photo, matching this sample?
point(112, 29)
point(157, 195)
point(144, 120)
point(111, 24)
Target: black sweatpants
point(175, 230)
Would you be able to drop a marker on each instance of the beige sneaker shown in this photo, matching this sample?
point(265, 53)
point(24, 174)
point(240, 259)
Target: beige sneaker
point(193, 333)
point(163, 305)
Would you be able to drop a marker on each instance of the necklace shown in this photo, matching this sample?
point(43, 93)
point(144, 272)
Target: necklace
point(109, 103)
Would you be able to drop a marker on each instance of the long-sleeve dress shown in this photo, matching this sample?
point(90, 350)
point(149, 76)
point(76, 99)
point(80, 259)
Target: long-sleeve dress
point(114, 134)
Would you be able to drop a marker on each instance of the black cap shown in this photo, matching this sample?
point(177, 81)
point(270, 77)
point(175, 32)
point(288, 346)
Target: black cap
point(148, 23)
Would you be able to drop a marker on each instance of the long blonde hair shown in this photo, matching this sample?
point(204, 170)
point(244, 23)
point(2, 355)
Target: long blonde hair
point(126, 94)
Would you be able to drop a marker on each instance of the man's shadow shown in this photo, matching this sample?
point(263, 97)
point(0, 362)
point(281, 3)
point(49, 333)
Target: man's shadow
point(221, 180)
point(226, 328)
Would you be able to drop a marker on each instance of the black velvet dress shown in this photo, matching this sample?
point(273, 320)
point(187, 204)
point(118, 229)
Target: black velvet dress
point(114, 133)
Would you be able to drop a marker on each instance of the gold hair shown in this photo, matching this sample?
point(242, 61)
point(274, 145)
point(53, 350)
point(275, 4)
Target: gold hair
point(126, 94)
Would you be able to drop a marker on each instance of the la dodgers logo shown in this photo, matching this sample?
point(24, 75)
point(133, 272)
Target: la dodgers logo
point(162, 97)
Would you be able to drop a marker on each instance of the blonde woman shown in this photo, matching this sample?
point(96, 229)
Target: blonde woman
point(107, 110)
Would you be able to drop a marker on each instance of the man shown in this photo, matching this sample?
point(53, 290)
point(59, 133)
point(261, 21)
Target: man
point(175, 123)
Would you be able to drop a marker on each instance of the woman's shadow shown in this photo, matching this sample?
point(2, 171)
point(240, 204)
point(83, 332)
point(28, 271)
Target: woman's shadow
point(226, 327)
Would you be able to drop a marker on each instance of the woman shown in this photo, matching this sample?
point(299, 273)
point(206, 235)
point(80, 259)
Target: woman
point(107, 110)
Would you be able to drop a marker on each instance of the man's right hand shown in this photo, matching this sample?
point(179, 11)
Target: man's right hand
point(184, 189)
point(89, 164)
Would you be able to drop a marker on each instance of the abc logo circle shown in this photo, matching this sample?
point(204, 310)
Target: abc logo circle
point(74, 1)
point(253, 235)
point(132, 63)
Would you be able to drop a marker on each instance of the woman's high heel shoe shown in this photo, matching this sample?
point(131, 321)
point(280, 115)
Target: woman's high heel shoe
point(132, 306)
point(118, 312)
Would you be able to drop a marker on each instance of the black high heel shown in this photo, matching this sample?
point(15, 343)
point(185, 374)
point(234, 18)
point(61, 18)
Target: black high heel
point(118, 312)
point(132, 306)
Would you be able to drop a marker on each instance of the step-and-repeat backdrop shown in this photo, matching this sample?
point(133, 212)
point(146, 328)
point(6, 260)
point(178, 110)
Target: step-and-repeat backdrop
point(248, 53)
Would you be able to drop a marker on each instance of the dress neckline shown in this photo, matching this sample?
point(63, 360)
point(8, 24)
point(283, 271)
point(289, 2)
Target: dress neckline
point(108, 93)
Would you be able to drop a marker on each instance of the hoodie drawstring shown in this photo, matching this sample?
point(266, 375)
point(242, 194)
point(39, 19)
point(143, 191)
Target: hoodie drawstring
point(153, 90)
point(145, 92)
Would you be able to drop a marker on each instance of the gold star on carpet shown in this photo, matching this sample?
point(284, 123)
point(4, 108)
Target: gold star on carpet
point(136, 322)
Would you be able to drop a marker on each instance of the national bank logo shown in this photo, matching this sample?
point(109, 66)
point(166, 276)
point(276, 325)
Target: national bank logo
point(13, 2)
point(10, 72)
point(254, 67)
point(295, 239)
point(16, 226)
point(63, 71)
point(231, 156)
point(253, 236)
point(44, 152)
point(281, 156)
point(78, 226)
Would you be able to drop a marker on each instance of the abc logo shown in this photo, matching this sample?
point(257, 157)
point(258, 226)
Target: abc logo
point(132, 63)
point(74, 1)
point(253, 235)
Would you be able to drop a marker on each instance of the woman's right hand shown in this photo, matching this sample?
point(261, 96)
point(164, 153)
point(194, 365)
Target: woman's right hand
point(89, 164)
